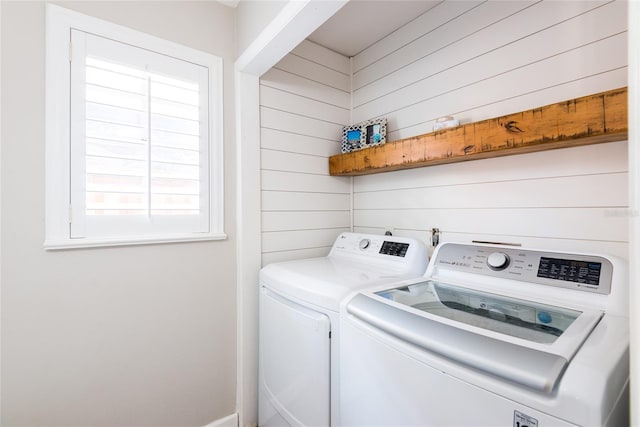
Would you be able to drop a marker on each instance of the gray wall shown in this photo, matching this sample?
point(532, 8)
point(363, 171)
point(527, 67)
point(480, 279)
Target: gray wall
point(140, 335)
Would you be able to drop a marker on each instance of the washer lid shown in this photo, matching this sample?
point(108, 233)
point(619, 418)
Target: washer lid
point(527, 320)
point(522, 341)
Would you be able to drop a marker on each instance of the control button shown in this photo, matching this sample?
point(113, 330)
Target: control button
point(364, 244)
point(544, 317)
point(498, 261)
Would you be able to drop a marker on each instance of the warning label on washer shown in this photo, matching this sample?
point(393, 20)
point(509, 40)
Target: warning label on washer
point(523, 420)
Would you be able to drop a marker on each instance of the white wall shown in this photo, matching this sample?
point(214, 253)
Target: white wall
point(478, 60)
point(634, 205)
point(142, 335)
point(305, 102)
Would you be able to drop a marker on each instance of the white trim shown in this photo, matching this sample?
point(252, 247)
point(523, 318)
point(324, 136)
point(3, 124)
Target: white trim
point(104, 28)
point(297, 20)
point(60, 21)
point(249, 247)
point(293, 24)
point(0, 195)
point(52, 245)
point(56, 125)
point(634, 206)
point(228, 421)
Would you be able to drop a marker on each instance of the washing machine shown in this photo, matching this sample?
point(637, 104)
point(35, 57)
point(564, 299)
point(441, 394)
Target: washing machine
point(299, 328)
point(490, 336)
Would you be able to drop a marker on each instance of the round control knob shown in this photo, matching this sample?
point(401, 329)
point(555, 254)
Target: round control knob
point(498, 261)
point(364, 244)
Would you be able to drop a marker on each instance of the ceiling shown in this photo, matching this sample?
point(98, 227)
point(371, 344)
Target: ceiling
point(361, 23)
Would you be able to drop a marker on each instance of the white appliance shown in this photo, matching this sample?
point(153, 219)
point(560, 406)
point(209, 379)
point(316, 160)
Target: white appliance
point(490, 336)
point(299, 312)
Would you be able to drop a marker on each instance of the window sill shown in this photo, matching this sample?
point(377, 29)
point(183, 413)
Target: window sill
point(64, 244)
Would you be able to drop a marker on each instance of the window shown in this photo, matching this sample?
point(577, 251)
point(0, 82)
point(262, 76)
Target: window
point(134, 136)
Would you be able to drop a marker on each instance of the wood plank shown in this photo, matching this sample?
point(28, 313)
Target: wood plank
point(461, 66)
point(300, 201)
point(296, 143)
point(321, 55)
point(292, 162)
point(556, 192)
point(578, 161)
point(315, 72)
point(534, 27)
point(276, 241)
point(268, 258)
point(604, 224)
point(454, 30)
point(587, 120)
point(426, 23)
point(295, 123)
point(305, 220)
point(302, 182)
point(289, 82)
point(287, 101)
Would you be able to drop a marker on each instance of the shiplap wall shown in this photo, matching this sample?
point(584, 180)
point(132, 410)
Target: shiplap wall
point(304, 103)
point(477, 60)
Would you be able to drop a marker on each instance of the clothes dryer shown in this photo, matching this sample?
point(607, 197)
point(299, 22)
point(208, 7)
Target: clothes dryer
point(299, 328)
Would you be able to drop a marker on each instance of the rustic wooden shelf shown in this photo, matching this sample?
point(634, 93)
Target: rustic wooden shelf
point(588, 120)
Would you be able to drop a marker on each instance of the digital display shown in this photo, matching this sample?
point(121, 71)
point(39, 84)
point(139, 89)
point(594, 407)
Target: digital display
point(394, 249)
point(587, 272)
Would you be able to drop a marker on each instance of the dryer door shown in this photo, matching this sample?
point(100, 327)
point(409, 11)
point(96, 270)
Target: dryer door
point(294, 362)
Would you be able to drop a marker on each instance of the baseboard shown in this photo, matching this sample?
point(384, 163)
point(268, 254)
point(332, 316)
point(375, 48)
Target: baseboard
point(230, 421)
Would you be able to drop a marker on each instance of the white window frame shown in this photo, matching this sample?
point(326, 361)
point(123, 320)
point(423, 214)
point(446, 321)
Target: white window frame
point(58, 213)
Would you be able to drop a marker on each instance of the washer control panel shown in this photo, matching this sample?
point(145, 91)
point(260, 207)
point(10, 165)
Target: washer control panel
point(582, 272)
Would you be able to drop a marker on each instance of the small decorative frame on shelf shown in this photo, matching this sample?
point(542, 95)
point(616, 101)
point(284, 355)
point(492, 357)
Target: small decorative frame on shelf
point(364, 135)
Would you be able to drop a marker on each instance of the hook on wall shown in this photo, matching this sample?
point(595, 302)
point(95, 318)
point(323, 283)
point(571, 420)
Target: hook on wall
point(435, 237)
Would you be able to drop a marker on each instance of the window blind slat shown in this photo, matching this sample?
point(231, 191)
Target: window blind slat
point(107, 113)
point(114, 183)
point(164, 170)
point(110, 166)
point(115, 97)
point(175, 125)
point(170, 139)
point(114, 131)
point(114, 80)
point(174, 109)
point(175, 156)
point(173, 93)
point(94, 62)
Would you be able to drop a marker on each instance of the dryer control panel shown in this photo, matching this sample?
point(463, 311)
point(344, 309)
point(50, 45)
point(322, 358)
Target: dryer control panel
point(384, 251)
point(589, 273)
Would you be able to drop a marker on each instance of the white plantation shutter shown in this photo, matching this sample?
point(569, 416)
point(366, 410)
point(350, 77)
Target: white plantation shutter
point(140, 131)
